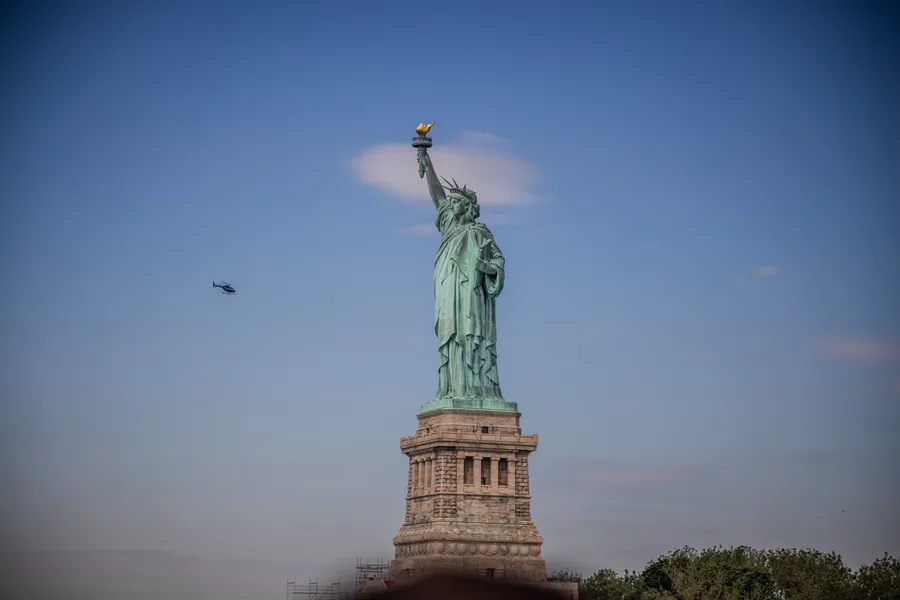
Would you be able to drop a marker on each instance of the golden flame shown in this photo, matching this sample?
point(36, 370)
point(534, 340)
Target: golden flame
point(423, 129)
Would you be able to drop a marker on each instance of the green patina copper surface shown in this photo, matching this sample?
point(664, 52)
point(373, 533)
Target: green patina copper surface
point(468, 277)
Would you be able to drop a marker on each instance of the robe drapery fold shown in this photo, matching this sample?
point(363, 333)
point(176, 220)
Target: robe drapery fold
point(464, 308)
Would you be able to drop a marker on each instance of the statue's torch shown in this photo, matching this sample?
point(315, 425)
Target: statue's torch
point(422, 143)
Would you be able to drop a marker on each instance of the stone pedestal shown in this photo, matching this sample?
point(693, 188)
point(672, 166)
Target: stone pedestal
point(468, 502)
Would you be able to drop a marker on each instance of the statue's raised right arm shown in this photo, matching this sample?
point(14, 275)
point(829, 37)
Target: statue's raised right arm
point(426, 170)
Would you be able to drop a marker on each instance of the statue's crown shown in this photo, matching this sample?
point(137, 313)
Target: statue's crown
point(454, 188)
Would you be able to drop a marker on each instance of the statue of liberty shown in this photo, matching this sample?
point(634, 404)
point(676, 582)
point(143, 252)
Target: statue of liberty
point(468, 277)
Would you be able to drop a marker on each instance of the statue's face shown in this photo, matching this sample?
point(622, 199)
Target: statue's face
point(458, 204)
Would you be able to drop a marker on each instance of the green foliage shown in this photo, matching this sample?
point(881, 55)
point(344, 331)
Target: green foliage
point(743, 573)
point(879, 581)
point(656, 575)
point(566, 576)
point(810, 575)
point(727, 574)
point(606, 584)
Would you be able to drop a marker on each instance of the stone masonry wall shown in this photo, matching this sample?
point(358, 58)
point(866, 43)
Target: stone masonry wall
point(446, 471)
point(523, 510)
point(523, 505)
point(445, 507)
point(421, 509)
point(409, 489)
point(522, 485)
point(487, 509)
point(471, 421)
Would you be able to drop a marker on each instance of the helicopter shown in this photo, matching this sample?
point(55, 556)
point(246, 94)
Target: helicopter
point(227, 288)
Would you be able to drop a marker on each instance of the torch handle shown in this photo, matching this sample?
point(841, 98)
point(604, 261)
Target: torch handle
point(422, 157)
point(422, 144)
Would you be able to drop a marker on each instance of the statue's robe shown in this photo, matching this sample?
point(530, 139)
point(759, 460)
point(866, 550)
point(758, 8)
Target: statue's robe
point(464, 308)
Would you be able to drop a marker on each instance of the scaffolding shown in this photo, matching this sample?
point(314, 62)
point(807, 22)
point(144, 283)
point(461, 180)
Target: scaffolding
point(313, 590)
point(367, 571)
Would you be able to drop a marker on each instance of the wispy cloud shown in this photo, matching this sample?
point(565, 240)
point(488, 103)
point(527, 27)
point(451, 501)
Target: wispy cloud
point(760, 271)
point(766, 271)
point(477, 159)
point(481, 137)
point(420, 229)
point(861, 349)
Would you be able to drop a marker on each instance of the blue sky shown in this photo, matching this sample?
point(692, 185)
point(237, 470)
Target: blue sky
point(698, 207)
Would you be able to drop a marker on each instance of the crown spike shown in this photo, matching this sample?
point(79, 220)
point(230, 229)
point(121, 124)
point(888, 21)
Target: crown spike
point(454, 188)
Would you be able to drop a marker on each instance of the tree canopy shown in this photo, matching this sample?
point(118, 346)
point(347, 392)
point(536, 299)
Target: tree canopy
point(743, 573)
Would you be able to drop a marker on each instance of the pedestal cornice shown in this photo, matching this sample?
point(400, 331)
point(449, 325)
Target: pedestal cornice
point(525, 443)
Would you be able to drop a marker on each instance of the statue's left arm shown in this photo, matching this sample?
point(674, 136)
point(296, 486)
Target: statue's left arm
point(493, 265)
